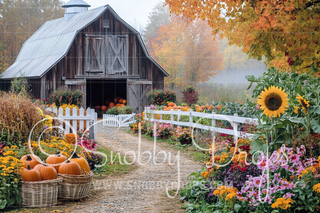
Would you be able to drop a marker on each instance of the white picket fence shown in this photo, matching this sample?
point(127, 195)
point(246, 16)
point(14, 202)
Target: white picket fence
point(235, 119)
point(122, 120)
point(90, 118)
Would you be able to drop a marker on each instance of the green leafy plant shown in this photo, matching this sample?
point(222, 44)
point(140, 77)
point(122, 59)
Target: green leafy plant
point(161, 97)
point(66, 96)
point(119, 110)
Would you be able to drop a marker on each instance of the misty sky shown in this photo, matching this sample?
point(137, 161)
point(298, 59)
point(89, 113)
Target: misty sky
point(134, 12)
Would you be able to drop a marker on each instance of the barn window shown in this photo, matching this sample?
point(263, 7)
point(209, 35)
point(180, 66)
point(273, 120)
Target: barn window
point(95, 54)
point(107, 54)
point(117, 54)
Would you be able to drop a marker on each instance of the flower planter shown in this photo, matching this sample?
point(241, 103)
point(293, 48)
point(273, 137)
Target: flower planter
point(183, 142)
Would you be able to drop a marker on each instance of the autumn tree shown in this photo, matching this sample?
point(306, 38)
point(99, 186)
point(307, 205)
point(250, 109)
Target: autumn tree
point(19, 19)
point(168, 49)
point(284, 32)
point(160, 16)
point(187, 52)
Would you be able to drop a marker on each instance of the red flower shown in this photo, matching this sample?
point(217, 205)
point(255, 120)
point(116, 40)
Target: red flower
point(243, 169)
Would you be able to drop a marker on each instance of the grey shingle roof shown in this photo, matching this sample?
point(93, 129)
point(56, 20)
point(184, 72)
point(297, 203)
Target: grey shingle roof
point(52, 41)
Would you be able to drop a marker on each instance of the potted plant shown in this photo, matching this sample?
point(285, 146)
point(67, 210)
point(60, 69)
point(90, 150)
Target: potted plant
point(184, 135)
point(164, 130)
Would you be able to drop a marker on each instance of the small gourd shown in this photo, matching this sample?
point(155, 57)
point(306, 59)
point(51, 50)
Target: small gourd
point(56, 159)
point(46, 172)
point(83, 163)
point(31, 160)
point(29, 174)
point(70, 168)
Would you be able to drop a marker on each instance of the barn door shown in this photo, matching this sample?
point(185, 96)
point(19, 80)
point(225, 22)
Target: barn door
point(137, 95)
point(95, 54)
point(117, 54)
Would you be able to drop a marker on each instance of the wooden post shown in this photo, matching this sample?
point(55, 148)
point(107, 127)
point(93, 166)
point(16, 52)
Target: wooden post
point(236, 125)
point(171, 116)
point(190, 118)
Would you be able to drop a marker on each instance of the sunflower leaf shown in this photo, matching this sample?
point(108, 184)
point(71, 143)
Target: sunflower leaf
point(315, 109)
point(315, 125)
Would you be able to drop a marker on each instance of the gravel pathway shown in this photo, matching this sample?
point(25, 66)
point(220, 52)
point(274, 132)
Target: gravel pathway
point(144, 189)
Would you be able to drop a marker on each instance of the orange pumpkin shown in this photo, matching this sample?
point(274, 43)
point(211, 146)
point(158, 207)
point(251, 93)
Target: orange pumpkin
point(122, 105)
point(31, 160)
point(111, 104)
point(71, 138)
point(83, 163)
point(203, 107)
point(124, 101)
point(70, 168)
point(171, 104)
point(120, 101)
point(56, 159)
point(46, 172)
point(97, 107)
point(30, 174)
point(104, 107)
point(118, 105)
point(115, 100)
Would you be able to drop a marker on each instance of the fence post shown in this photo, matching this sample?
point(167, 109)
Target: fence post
point(74, 121)
point(91, 130)
point(190, 118)
point(145, 114)
point(236, 125)
point(178, 117)
point(171, 116)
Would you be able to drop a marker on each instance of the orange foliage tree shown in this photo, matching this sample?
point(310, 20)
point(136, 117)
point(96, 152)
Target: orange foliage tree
point(286, 32)
point(187, 52)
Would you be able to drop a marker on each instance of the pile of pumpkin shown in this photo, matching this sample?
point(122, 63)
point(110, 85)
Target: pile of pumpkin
point(118, 102)
point(36, 170)
point(173, 106)
point(201, 108)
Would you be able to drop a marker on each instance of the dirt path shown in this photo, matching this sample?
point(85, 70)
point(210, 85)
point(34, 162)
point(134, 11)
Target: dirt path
point(144, 189)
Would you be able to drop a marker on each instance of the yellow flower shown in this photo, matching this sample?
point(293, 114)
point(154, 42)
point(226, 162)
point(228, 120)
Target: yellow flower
point(316, 188)
point(304, 103)
point(283, 203)
point(296, 109)
point(273, 101)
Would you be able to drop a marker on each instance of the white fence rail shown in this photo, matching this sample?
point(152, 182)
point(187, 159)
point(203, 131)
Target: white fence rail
point(214, 117)
point(118, 120)
point(82, 120)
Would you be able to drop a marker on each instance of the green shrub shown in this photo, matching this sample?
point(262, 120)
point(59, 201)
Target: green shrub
point(66, 96)
point(161, 97)
point(119, 110)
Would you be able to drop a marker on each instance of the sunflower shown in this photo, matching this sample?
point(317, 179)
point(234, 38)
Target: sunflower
point(273, 101)
point(304, 103)
point(296, 109)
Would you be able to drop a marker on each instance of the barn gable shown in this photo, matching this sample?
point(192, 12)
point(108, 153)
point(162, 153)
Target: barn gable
point(51, 43)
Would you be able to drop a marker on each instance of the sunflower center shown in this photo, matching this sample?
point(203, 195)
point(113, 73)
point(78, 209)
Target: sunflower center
point(273, 102)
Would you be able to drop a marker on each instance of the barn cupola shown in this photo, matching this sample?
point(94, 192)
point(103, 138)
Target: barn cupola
point(73, 7)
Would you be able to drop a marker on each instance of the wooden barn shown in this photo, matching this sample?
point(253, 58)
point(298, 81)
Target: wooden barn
point(92, 50)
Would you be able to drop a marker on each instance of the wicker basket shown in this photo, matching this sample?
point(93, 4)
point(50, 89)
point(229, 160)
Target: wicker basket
point(74, 186)
point(40, 193)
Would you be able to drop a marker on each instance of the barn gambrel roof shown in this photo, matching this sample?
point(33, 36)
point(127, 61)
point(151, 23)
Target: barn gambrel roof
point(52, 41)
